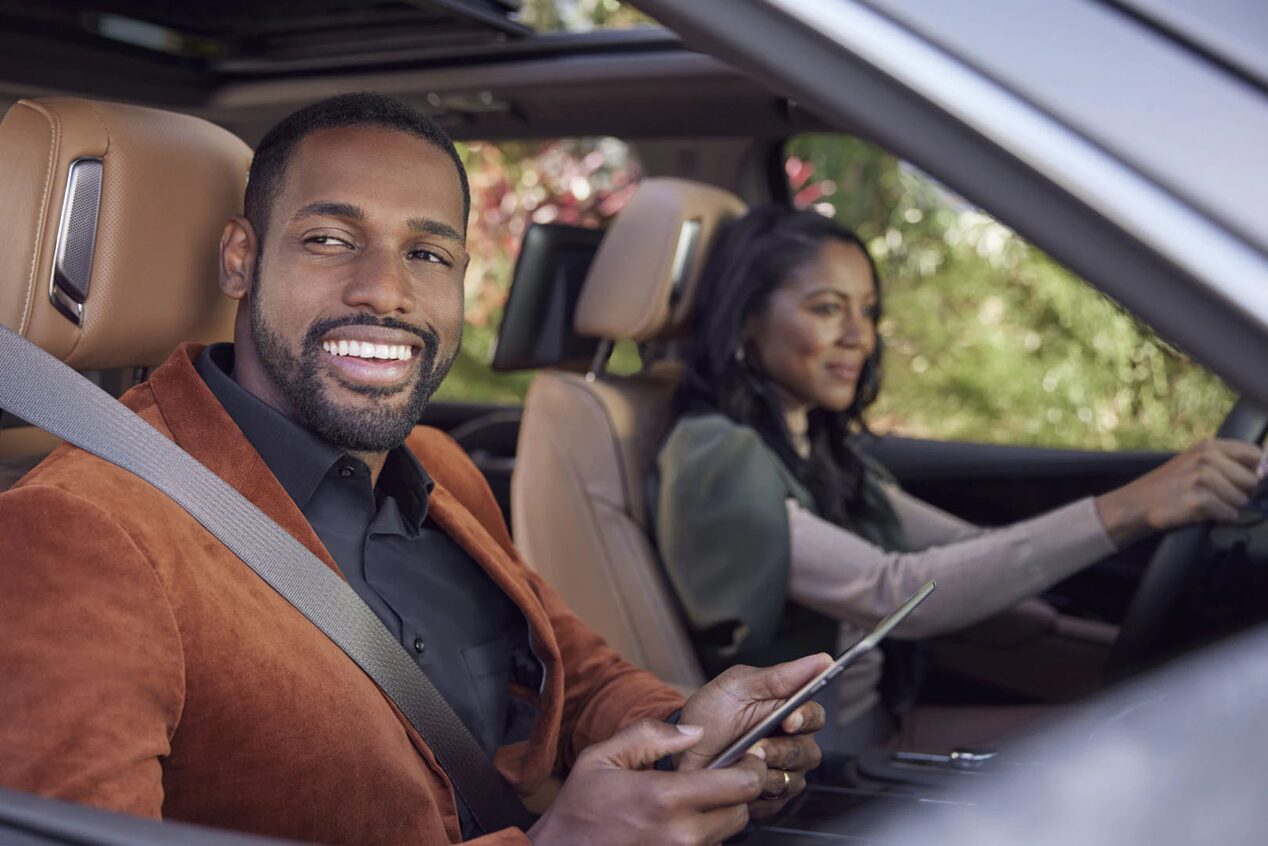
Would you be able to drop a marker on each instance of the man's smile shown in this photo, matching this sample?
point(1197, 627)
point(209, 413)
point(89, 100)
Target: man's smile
point(368, 351)
point(370, 355)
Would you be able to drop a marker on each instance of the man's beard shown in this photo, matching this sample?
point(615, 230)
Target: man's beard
point(376, 427)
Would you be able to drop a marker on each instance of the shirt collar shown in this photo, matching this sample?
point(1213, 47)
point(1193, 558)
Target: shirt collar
point(300, 459)
point(405, 479)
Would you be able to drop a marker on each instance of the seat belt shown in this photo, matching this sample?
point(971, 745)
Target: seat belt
point(43, 391)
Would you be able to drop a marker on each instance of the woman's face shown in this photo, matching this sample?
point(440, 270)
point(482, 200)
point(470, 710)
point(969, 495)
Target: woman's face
point(818, 328)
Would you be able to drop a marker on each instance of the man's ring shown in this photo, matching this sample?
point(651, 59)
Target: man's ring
point(782, 790)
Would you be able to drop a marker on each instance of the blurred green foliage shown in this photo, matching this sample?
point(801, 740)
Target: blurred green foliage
point(582, 181)
point(987, 339)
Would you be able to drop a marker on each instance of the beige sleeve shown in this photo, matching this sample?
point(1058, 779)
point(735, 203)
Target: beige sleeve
point(925, 525)
point(980, 572)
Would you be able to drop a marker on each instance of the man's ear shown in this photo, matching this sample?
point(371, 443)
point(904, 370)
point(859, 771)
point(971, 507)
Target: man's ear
point(238, 252)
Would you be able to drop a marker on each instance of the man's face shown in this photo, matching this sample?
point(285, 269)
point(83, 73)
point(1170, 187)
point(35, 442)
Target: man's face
point(356, 294)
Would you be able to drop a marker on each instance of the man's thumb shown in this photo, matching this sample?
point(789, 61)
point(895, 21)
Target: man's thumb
point(642, 744)
point(783, 680)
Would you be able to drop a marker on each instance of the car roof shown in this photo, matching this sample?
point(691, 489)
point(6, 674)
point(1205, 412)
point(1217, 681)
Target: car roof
point(1229, 32)
point(467, 62)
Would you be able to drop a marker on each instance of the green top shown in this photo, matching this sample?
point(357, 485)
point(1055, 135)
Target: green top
point(718, 505)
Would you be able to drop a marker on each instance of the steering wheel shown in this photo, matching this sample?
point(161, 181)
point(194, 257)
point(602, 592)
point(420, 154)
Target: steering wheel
point(1175, 563)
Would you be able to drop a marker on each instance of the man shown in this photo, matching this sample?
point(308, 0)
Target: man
point(147, 670)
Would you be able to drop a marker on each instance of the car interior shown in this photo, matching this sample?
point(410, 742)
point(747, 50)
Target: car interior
point(113, 213)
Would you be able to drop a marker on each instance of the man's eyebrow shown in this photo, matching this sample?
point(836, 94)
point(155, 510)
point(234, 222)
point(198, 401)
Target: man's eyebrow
point(331, 209)
point(427, 226)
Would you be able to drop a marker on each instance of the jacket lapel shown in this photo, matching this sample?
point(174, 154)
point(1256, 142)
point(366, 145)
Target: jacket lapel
point(202, 427)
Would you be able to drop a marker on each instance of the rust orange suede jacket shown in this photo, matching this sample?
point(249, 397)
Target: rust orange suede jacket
point(145, 669)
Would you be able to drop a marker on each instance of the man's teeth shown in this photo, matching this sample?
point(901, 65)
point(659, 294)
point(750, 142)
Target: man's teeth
point(364, 349)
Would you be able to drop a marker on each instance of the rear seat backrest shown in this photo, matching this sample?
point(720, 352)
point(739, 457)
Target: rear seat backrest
point(111, 220)
point(587, 443)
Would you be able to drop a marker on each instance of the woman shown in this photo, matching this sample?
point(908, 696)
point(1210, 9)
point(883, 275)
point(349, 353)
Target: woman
point(781, 539)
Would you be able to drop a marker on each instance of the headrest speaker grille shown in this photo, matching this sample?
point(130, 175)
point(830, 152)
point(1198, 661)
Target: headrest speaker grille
point(77, 238)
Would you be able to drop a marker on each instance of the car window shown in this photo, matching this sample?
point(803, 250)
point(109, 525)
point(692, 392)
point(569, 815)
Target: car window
point(987, 339)
point(581, 181)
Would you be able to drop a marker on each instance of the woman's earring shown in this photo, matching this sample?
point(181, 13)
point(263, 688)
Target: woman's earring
point(739, 355)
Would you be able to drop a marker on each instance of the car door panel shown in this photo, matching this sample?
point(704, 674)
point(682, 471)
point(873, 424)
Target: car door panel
point(1049, 650)
point(1031, 652)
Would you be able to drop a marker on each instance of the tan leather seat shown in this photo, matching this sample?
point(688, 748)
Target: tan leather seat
point(586, 444)
point(110, 221)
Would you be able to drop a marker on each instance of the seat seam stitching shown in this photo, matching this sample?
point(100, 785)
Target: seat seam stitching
point(590, 395)
point(31, 282)
point(591, 519)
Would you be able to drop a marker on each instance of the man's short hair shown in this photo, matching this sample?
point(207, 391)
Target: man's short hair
point(268, 168)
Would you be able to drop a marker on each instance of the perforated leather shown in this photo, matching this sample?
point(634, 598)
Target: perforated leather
point(169, 183)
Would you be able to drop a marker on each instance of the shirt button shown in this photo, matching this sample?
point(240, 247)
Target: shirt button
point(419, 646)
point(346, 472)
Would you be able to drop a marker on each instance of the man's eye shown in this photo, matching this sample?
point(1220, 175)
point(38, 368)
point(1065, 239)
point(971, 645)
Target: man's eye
point(326, 241)
point(430, 256)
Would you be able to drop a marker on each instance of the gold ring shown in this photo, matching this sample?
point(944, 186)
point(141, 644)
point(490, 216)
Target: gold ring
point(782, 790)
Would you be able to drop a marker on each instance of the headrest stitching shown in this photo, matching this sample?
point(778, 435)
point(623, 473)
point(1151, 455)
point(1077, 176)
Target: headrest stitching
point(31, 283)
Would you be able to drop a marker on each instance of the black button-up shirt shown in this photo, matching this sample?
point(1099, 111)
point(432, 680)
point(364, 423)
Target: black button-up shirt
point(459, 626)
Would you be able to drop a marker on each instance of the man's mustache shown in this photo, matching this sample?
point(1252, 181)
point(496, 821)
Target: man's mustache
point(319, 329)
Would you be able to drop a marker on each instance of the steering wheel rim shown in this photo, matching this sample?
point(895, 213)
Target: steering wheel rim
point(1175, 561)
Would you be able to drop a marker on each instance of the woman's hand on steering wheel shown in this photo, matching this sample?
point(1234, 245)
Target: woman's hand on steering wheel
point(1211, 480)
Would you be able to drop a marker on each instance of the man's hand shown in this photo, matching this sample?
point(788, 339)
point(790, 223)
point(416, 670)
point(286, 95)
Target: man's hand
point(613, 797)
point(737, 700)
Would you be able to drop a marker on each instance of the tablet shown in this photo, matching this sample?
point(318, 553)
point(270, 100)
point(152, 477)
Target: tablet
point(869, 641)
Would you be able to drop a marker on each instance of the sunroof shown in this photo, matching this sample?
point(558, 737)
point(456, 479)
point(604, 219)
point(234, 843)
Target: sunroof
point(268, 31)
point(178, 53)
point(580, 15)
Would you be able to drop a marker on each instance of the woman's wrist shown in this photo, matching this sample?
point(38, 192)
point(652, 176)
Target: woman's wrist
point(1121, 515)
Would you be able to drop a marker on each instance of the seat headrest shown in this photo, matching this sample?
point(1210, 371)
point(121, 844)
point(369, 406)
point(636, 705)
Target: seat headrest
point(112, 217)
point(642, 284)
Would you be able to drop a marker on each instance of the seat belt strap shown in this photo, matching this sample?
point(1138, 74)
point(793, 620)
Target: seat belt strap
point(40, 389)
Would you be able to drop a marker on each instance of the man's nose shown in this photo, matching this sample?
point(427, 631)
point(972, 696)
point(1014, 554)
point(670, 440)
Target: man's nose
point(380, 284)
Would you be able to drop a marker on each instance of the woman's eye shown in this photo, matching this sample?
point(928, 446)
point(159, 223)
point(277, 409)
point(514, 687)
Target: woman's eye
point(826, 309)
point(870, 311)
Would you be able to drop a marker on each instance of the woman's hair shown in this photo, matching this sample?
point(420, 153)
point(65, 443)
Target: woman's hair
point(753, 256)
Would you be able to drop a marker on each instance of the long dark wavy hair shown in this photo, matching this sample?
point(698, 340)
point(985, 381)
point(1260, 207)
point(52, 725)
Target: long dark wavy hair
point(752, 257)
